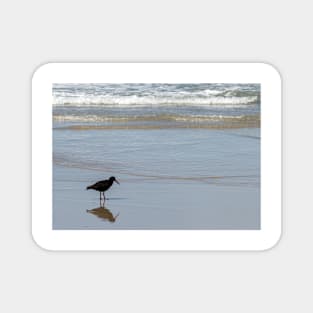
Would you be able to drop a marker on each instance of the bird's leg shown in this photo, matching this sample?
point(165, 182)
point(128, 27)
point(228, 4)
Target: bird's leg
point(103, 197)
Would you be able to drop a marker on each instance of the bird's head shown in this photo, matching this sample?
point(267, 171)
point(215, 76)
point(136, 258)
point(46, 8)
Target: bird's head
point(113, 179)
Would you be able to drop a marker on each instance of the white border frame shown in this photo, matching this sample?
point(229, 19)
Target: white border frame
point(262, 73)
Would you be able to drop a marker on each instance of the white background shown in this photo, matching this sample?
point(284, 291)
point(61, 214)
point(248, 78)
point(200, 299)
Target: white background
point(35, 32)
point(264, 74)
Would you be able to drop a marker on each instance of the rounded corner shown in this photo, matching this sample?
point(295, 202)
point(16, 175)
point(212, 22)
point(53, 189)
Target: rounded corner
point(273, 242)
point(273, 70)
point(40, 69)
point(39, 244)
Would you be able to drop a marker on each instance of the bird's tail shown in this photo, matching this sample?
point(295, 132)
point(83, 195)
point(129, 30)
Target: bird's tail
point(89, 187)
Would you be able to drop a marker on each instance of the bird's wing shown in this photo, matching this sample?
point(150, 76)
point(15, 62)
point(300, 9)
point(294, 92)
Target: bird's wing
point(100, 183)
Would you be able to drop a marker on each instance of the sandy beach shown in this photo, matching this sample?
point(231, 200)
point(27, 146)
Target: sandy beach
point(187, 156)
point(167, 195)
point(148, 204)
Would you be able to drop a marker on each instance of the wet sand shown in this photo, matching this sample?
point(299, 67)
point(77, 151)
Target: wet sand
point(152, 204)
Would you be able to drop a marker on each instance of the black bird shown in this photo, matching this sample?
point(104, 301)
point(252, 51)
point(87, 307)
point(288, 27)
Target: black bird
point(103, 185)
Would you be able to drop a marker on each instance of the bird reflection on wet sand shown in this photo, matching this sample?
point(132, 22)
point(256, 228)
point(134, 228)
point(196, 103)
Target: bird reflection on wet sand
point(104, 214)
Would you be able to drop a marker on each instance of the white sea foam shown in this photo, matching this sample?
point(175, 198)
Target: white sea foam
point(135, 103)
point(151, 118)
point(148, 101)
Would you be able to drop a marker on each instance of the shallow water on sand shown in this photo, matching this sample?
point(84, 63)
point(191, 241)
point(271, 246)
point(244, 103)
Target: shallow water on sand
point(170, 178)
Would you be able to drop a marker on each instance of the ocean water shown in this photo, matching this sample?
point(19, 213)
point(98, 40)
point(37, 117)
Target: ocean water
point(173, 147)
point(157, 105)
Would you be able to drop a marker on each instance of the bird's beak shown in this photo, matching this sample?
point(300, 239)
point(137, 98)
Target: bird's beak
point(117, 181)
